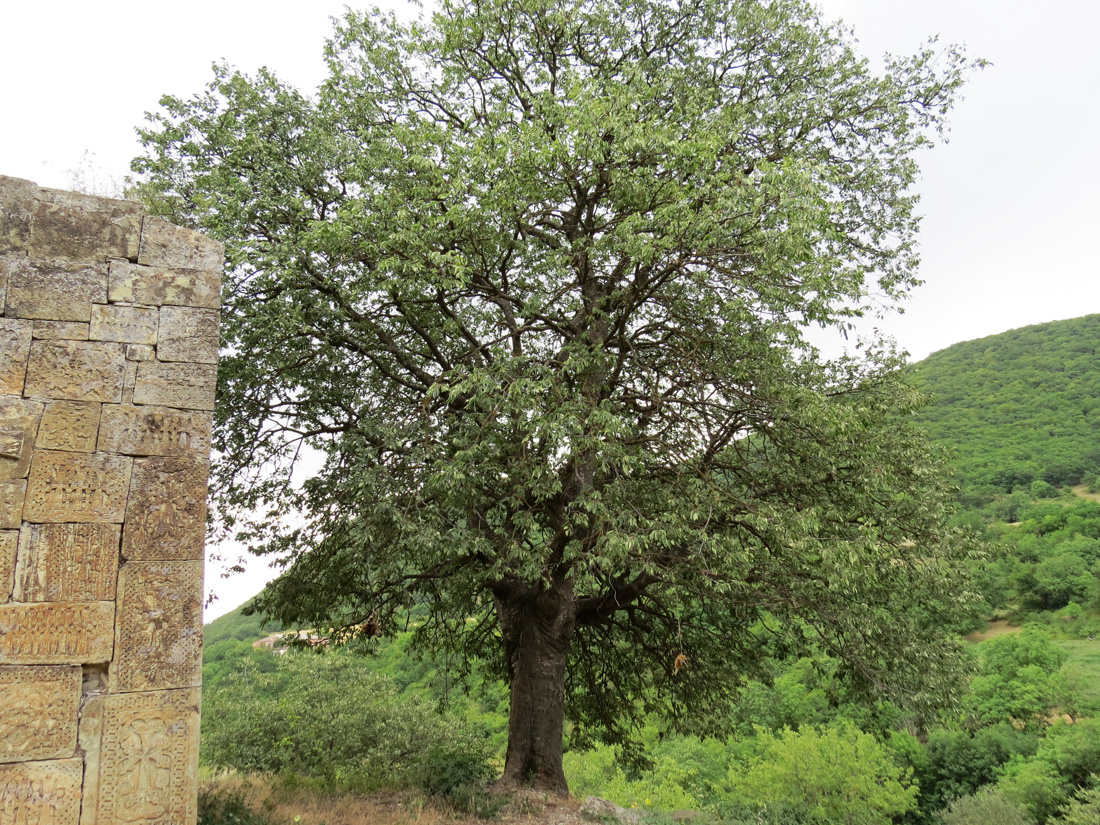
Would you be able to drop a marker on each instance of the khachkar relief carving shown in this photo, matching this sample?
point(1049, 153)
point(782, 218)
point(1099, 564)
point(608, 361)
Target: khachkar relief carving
point(108, 368)
point(40, 720)
point(149, 739)
point(51, 633)
point(159, 637)
point(67, 562)
point(41, 793)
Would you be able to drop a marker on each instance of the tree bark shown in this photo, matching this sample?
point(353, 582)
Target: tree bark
point(537, 627)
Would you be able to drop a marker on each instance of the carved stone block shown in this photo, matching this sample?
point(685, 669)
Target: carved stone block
point(148, 763)
point(84, 227)
point(41, 793)
point(15, 347)
point(67, 563)
point(159, 635)
point(188, 334)
point(16, 203)
point(163, 244)
point(73, 487)
point(76, 371)
point(72, 426)
point(190, 386)
point(56, 634)
point(12, 498)
point(166, 512)
point(55, 290)
point(138, 352)
point(164, 286)
point(9, 541)
point(154, 431)
point(18, 427)
point(38, 719)
point(130, 325)
point(60, 330)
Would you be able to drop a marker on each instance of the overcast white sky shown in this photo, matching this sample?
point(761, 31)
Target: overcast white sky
point(1010, 204)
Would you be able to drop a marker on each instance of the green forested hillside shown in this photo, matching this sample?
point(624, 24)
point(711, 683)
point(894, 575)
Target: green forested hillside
point(1020, 406)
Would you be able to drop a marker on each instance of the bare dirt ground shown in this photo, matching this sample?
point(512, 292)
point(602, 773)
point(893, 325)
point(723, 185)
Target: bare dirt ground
point(997, 628)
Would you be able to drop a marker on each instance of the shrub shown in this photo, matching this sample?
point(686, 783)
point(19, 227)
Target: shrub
point(986, 807)
point(330, 718)
point(227, 806)
point(1043, 489)
point(959, 762)
point(1085, 809)
point(835, 774)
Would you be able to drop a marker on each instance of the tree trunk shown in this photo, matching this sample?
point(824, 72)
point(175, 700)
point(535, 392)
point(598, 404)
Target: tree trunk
point(536, 629)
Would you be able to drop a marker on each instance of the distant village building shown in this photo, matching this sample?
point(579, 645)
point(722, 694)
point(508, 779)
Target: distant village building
point(277, 642)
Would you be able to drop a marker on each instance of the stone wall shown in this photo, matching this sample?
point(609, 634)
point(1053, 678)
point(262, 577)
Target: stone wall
point(108, 351)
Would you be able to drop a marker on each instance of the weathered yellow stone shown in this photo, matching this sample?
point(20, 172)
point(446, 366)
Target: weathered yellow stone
point(149, 758)
point(188, 334)
point(12, 498)
point(9, 541)
point(159, 627)
point(77, 487)
point(164, 286)
point(60, 330)
point(16, 203)
point(188, 386)
point(163, 244)
point(56, 634)
point(72, 426)
point(147, 430)
point(138, 352)
point(166, 511)
point(84, 227)
point(41, 793)
point(67, 563)
point(89, 738)
point(19, 420)
point(130, 325)
point(129, 381)
point(6, 262)
point(51, 290)
point(93, 709)
point(76, 371)
point(39, 715)
point(15, 347)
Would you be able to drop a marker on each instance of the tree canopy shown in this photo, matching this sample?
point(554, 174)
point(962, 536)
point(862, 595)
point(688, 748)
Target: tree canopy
point(533, 277)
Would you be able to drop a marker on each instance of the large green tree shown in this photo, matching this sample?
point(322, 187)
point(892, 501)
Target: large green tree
point(533, 277)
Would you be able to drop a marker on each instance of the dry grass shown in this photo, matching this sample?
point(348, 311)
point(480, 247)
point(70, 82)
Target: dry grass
point(304, 806)
point(310, 808)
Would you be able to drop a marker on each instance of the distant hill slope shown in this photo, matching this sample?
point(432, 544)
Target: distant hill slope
point(1019, 406)
point(236, 625)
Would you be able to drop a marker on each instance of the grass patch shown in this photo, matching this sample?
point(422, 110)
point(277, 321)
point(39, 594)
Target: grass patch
point(1082, 491)
point(1084, 661)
